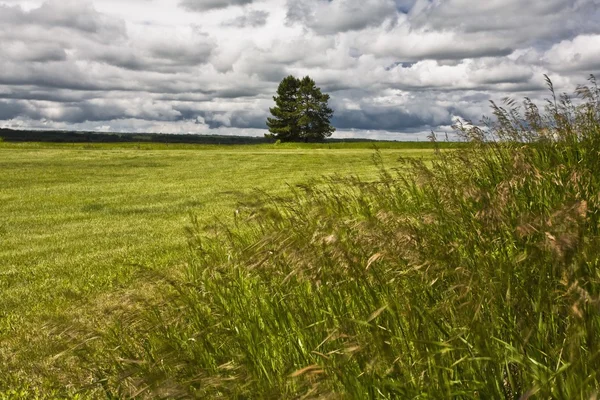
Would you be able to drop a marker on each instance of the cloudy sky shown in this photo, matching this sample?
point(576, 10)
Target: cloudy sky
point(395, 69)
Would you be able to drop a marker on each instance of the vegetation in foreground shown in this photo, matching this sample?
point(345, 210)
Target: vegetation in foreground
point(476, 277)
point(77, 220)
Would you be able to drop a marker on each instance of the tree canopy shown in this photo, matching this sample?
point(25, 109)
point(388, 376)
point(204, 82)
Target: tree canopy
point(301, 112)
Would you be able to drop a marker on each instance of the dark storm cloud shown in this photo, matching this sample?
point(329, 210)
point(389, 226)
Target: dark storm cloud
point(204, 5)
point(388, 119)
point(95, 111)
point(52, 95)
point(254, 119)
point(11, 109)
point(459, 53)
point(84, 112)
point(59, 75)
point(516, 78)
point(405, 6)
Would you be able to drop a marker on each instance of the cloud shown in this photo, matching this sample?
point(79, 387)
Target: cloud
point(394, 68)
point(236, 119)
point(391, 110)
point(581, 55)
point(405, 6)
point(252, 19)
point(408, 44)
point(205, 5)
point(518, 22)
point(388, 119)
point(330, 17)
point(33, 52)
point(50, 94)
point(11, 109)
point(72, 15)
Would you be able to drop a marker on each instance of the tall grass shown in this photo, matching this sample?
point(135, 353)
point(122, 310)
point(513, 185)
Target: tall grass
point(474, 276)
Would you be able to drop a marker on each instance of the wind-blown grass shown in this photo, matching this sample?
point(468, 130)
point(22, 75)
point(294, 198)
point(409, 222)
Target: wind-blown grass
point(77, 221)
point(473, 277)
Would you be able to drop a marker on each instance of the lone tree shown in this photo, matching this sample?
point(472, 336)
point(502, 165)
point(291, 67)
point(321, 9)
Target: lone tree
point(301, 111)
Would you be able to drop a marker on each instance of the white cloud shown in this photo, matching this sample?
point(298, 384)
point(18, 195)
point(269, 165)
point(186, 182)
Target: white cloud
point(330, 17)
point(581, 54)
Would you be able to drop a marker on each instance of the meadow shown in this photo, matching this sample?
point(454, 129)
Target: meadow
point(454, 272)
point(81, 223)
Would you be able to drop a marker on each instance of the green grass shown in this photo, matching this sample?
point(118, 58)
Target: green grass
point(474, 275)
point(467, 274)
point(80, 223)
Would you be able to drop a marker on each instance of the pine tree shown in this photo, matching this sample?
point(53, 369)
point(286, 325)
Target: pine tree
point(301, 111)
point(284, 124)
point(313, 111)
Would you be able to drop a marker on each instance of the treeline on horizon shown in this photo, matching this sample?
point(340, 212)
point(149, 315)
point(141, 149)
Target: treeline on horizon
point(12, 135)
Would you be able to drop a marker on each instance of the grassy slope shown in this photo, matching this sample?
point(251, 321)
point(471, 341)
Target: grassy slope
point(76, 219)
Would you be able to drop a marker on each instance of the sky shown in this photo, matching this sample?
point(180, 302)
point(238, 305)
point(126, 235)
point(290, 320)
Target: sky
point(395, 69)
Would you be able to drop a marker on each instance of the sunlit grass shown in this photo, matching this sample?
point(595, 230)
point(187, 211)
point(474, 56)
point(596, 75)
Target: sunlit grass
point(472, 276)
point(79, 222)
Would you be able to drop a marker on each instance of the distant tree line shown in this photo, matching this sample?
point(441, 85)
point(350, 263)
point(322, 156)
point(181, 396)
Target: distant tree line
point(11, 135)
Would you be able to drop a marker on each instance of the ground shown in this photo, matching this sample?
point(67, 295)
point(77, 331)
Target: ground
point(79, 222)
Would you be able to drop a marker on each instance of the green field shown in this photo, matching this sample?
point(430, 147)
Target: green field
point(79, 222)
point(324, 271)
point(308, 271)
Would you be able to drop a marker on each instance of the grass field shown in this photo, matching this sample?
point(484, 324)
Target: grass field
point(465, 274)
point(78, 221)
